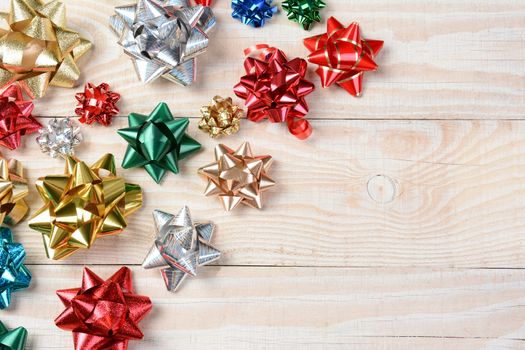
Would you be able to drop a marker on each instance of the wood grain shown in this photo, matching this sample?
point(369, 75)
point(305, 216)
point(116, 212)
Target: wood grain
point(446, 60)
point(358, 193)
point(304, 308)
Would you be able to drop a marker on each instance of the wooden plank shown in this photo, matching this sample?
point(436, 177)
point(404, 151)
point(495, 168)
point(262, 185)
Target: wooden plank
point(303, 308)
point(358, 193)
point(446, 60)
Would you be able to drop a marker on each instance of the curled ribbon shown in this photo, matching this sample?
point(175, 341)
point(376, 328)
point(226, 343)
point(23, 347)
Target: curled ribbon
point(83, 205)
point(275, 88)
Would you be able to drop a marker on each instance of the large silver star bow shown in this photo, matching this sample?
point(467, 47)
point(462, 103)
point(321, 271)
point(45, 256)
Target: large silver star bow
point(163, 37)
point(180, 246)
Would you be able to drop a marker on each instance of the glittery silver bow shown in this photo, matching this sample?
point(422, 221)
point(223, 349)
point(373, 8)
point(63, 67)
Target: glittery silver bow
point(180, 246)
point(163, 37)
point(59, 137)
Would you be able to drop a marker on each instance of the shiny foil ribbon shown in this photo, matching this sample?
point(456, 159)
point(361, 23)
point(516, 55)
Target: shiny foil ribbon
point(13, 190)
point(14, 276)
point(82, 205)
point(304, 12)
point(275, 89)
point(221, 117)
point(343, 55)
point(163, 40)
point(14, 339)
point(157, 142)
point(15, 117)
point(238, 177)
point(253, 12)
point(203, 2)
point(38, 50)
point(180, 247)
point(103, 314)
point(59, 138)
point(97, 104)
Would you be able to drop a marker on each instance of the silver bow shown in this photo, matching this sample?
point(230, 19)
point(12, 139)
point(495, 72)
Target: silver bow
point(180, 246)
point(59, 137)
point(163, 37)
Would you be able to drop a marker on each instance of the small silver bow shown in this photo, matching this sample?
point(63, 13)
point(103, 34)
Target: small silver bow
point(163, 37)
point(180, 246)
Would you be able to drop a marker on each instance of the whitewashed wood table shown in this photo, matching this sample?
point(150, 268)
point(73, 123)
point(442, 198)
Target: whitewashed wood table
point(400, 224)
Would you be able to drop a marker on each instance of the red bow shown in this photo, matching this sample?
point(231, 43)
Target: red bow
point(343, 56)
point(203, 2)
point(103, 314)
point(15, 117)
point(275, 88)
point(97, 104)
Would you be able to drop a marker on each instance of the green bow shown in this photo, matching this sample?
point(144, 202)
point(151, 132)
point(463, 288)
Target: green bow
point(304, 12)
point(12, 340)
point(157, 142)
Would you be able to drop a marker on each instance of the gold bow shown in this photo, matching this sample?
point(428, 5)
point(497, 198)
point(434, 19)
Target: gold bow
point(38, 50)
point(13, 189)
point(82, 205)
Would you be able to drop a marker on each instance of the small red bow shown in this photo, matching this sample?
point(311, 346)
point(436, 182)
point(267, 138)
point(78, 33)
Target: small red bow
point(97, 104)
point(275, 88)
point(203, 2)
point(103, 314)
point(343, 56)
point(15, 117)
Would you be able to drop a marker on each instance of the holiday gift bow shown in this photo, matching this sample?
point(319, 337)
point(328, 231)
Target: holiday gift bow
point(253, 12)
point(15, 117)
point(82, 205)
point(180, 247)
point(97, 104)
point(13, 189)
point(304, 12)
point(163, 40)
point(14, 339)
point(275, 88)
point(38, 50)
point(343, 56)
point(14, 275)
point(238, 177)
point(103, 314)
point(157, 142)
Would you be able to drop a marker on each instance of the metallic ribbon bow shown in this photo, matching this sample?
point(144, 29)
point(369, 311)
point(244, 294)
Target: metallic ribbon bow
point(163, 39)
point(157, 142)
point(203, 2)
point(97, 104)
point(103, 314)
point(15, 117)
point(14, 275)
point(221, 117)
point(237, 176)
point(343, 56)
point(39, 50)
point(83, 205)
point(59, 138)
point(14, 339)
point(304, 12)
point(180, 246)
point(253, 12)
point(275, 88)
point(13, 189)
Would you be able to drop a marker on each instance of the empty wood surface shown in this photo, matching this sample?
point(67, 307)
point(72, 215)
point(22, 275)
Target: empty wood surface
point(400, 224)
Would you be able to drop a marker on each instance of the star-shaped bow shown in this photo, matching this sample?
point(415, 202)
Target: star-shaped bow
point(14, 275)
point(163, 39)
point(343, 55)
point(13, 190)
point(180, 246)
point(82, 205)
point(15, 117)
point(238, 176)
point(14, 339)
point(103, 314)
point(38, 50)
point(157, 142)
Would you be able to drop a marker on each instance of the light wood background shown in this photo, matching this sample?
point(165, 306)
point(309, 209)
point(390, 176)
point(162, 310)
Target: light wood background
point(400, 224)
